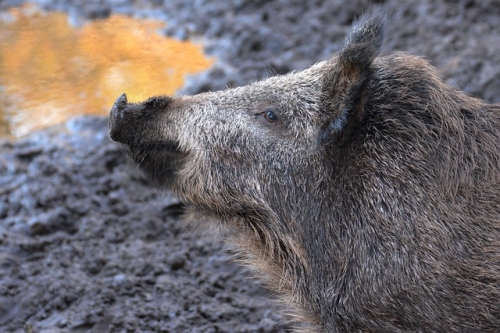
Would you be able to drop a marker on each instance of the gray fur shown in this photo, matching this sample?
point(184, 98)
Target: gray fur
point(371, 205)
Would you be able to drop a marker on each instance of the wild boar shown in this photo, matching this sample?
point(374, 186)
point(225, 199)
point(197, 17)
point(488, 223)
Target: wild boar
point(363, 190)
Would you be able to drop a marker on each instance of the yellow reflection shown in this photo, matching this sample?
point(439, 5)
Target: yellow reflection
point(50, 71)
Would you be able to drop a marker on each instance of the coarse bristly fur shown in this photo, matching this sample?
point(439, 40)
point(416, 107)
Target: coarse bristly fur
point(364, 191)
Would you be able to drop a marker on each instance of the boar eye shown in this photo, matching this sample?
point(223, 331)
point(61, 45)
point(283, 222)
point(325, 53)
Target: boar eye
point(270, 117)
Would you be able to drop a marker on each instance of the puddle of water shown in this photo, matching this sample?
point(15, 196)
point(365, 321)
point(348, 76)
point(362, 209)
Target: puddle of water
point(51, 71)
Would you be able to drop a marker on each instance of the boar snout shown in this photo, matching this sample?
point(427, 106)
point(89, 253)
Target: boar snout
point(118, 121)
point(136, 126)
point(128, 120)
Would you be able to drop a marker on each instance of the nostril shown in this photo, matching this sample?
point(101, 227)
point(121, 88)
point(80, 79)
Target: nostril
point(121, 101)
point(116, 118)
point(120, 105)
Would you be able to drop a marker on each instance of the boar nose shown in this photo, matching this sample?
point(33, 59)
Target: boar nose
point(117, 120)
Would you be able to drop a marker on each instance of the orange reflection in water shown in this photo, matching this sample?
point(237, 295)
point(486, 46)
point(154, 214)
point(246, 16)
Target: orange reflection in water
point(51, 71)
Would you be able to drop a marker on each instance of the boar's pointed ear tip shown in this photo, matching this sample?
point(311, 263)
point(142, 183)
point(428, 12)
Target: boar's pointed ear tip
point(363, 43)
point(370, 27)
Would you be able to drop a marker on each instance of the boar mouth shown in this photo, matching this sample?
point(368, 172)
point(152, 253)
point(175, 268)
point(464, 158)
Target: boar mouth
point(159, 160)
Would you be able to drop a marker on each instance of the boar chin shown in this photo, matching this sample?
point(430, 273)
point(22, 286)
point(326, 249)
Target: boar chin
point(159, 160)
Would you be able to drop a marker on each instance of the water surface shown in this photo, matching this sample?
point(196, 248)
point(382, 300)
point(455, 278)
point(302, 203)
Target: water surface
point(51, 71)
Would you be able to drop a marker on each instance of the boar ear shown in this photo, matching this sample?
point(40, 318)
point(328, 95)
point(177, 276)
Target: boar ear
point(351, 70)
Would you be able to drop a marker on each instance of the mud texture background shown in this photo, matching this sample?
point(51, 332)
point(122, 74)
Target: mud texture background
point(87, 246)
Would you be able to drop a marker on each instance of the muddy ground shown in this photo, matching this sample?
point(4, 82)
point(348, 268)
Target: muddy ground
point(87, 246)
